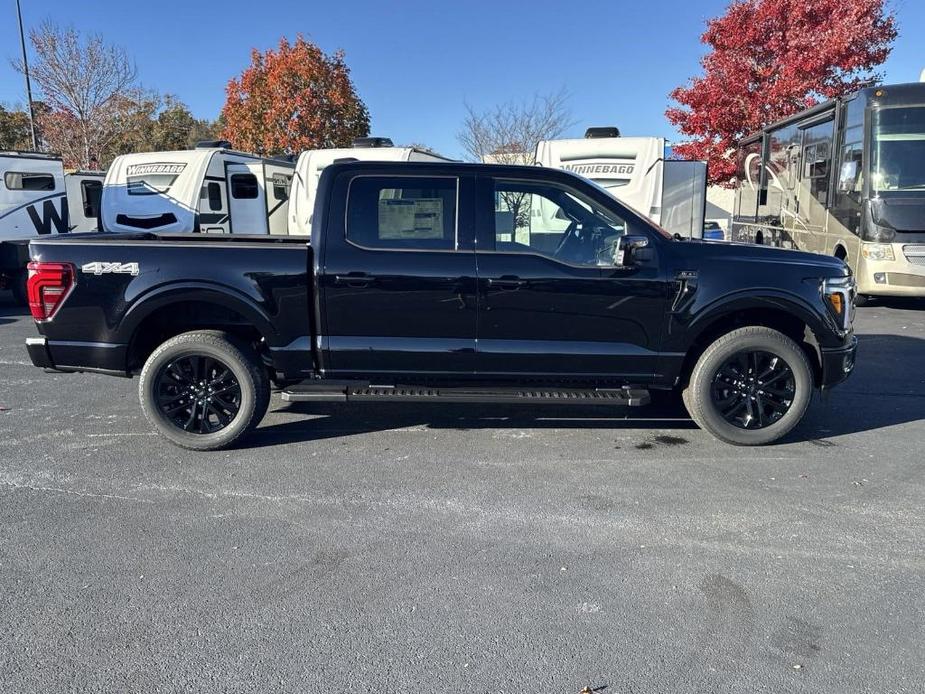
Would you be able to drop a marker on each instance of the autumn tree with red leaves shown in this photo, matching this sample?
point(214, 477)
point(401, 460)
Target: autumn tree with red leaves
point(770, 59)
point(292, 99)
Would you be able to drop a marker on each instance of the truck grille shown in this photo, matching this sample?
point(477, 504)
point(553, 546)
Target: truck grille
point(915, 254)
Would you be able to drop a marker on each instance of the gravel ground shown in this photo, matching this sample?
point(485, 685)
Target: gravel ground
point(461, 548)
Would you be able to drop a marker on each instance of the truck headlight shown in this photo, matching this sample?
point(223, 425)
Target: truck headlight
point(838, 294)
point(877, 251)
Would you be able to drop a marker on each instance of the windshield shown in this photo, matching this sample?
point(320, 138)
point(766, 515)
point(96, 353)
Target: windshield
point(898, 161)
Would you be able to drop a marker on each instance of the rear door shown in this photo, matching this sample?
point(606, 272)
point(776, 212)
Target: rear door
point(398, 276)
point(553, 304)
point(248, 198)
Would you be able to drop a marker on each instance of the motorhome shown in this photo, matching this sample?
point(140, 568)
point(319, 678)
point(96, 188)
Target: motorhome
point(209, 189)
point(312, 162)
point(636, 171)
point(38, 198)
point(844, 178)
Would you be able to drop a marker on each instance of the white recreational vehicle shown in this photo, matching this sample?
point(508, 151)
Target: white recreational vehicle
point(210, 189)
point(635, 170)
point(37, 198)
point(311, 163)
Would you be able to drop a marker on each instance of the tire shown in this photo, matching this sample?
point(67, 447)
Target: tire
point(226, 374)
point(863, 300)
point(719, 406)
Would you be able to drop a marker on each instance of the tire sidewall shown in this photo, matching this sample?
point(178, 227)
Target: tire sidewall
point(717, 354)
point(171, 352)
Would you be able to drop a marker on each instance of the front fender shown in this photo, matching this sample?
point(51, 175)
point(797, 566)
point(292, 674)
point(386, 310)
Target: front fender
point(691, 324)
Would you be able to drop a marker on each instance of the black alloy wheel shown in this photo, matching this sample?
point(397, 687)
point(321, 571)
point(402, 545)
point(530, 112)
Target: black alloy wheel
point(198, 394)
point(753, 389)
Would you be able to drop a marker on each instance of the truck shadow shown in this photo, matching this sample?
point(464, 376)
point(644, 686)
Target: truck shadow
point(882, 392)
point(333, 420)
point(9, 309)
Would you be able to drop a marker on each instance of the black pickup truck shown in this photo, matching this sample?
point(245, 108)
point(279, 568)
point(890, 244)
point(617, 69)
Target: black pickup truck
point(446, 282)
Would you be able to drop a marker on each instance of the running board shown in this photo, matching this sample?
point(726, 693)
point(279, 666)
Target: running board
point(625, 397)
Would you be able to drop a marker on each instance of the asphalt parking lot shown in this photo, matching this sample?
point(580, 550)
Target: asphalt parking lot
point(464, 549)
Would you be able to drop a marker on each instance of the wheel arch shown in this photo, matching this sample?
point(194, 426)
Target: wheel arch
point(173, 311)
point(787, 317)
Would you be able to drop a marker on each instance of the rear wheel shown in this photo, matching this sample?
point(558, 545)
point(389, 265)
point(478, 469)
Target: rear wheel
point(204, 390)
point(750, 387)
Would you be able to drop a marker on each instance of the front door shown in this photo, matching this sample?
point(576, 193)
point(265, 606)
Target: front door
point(248, 198)
point(398, 278)
point(554, 302)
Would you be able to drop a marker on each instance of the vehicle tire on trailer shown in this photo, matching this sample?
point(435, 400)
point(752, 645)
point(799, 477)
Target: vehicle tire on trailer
point(750, 387)
point(204, 390)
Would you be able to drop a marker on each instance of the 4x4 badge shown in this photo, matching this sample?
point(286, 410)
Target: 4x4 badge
point(105, 268)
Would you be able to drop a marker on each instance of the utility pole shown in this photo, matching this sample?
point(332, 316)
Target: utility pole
point(25, 69)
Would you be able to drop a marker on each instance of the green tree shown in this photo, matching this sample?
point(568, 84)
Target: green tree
point(14, 129)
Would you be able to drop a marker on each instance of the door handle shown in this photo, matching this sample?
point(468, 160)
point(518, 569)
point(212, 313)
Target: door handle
point(353, 279)
point(506, 282)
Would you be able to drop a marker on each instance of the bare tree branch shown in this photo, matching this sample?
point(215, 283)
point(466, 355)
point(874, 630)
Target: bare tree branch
point(509, 133)
point(83, 81)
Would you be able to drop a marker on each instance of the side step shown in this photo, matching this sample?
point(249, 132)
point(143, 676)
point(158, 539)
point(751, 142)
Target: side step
point(621, 397)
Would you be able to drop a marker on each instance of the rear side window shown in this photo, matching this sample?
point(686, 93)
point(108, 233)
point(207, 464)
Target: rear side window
point(16, 180)
point(410, 213)
point(244, 186)
point(90, 194)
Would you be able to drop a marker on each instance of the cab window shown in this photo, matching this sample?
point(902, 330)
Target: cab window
point(552, 221)
point(408, 213)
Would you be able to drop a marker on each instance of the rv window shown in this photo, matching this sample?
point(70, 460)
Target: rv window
point(244, 186)
point(90, 193)
point(402, 213)
point(15, 180)
point(281, 187)
point(150, 183)
point(214, 193)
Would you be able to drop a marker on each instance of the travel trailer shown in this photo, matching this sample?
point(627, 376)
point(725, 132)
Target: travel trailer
point(636, 171)
point(38, 198)
point(312, 162)
point(209, 189)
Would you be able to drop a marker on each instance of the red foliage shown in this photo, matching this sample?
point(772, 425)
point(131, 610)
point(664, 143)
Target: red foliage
point(292, 99)
point(772, 58)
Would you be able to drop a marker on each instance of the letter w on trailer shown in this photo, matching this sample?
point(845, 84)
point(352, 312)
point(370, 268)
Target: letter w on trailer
point(38, 199)
point(210, 189)
point(635, 170)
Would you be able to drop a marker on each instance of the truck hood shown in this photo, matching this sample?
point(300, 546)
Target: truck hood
point(821, 265)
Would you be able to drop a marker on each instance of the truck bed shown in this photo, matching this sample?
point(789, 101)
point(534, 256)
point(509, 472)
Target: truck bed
point(128, 285)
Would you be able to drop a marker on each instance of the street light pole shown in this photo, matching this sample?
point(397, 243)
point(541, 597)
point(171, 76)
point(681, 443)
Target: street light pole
point(25, 69)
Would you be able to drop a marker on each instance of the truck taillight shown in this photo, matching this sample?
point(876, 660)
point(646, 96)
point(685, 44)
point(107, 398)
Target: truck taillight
point(48, 287)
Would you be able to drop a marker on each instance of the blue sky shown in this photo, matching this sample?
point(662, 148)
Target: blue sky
point(416, 63)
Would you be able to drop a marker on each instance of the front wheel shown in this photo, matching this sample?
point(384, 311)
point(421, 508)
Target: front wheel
point(750, 387)
point(204, 390)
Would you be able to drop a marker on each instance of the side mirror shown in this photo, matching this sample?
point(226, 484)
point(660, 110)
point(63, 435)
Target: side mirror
point(629, 248)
